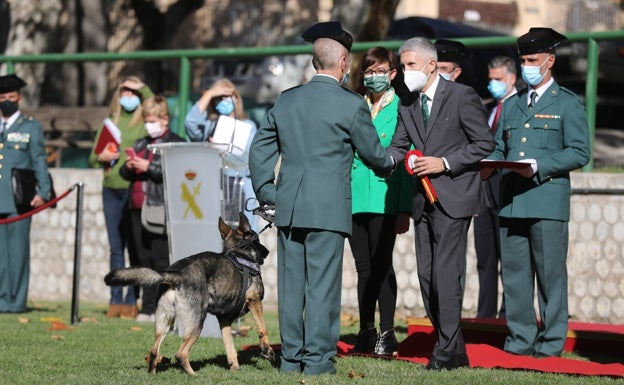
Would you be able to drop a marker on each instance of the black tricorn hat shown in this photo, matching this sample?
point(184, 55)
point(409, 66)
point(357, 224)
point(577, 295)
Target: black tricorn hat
point(450, 50)
point(10, 83)
point(539, 39)
point(331, 30)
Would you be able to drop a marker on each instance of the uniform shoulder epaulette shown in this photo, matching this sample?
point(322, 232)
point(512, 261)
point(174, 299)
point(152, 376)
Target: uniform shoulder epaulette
point(568, 91)
point(290, 89)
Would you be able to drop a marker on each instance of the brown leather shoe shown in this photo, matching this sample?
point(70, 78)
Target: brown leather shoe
point(129, 311)
point(114, 311)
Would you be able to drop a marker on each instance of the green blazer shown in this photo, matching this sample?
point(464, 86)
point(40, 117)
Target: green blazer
point(554, 133)
point(373, 194)
point(22, 145)
point(315, 129)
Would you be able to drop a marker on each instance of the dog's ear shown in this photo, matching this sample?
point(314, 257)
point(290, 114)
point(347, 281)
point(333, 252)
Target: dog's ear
point(243, 223)
point(224, 229)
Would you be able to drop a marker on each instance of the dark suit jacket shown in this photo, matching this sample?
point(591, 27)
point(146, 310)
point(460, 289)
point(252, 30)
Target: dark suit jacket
point(315, 129)
point(457, 130)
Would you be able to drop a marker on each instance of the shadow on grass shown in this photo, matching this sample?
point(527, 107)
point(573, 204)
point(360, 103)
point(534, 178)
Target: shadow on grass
point(245, 359)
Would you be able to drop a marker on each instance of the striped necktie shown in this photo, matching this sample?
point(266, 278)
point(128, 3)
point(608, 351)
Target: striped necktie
point(533, 97)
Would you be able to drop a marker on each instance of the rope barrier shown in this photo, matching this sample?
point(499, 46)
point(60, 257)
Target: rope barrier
point(40, 208)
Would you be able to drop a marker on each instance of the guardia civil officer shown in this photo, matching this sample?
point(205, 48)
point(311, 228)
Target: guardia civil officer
point(22, 145)
point(547, 123)
point(314, 129)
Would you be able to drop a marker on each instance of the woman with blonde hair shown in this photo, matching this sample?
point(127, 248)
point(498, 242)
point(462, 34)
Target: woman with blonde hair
point(222, 98)
point(126, 114)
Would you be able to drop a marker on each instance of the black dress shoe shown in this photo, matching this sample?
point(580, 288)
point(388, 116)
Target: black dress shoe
point(456, 361)
point(386, 344)
point(365, 342)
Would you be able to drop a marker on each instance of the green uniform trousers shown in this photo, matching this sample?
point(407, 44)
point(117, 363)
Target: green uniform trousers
point(309, 284)
point(540, 249)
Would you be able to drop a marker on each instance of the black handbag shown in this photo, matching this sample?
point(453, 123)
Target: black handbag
point(25, 188)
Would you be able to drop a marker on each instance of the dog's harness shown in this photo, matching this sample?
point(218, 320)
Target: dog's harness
point(247, 270)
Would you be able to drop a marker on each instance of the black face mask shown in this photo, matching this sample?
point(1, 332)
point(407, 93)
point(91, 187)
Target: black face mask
point(8, 107)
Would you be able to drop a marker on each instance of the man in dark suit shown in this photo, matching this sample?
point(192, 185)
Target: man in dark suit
point(546, 125)
point(315, 129)
point(502, 73)
point(447, 122)
point(22, 145)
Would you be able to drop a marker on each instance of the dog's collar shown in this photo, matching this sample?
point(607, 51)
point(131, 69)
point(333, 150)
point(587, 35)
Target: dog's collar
point(242, 263)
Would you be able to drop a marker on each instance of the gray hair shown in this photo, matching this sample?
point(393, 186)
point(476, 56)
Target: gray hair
point(326, 53)
point(503, 61)
point(420, 45)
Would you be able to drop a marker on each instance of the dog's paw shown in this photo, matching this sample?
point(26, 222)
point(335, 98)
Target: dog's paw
point(269, 354)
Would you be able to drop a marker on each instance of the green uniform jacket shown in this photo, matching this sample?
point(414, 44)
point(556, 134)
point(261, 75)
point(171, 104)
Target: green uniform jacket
point(22, 145)
point(315, 128)
point(129, 135)
point(372, 194)
point(556, 135)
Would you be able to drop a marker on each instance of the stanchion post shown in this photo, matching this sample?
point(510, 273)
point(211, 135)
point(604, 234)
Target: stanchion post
point(77, 252)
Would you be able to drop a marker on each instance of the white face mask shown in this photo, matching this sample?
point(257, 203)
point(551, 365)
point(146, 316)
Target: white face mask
point(415, 80)
point(154, 129)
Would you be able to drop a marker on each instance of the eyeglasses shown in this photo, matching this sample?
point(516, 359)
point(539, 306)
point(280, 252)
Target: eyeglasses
point(378, 72)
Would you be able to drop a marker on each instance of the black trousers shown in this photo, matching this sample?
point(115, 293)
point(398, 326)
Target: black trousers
point(152, 252)
point(372, 244)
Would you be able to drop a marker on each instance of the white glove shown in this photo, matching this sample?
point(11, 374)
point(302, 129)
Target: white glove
point(411, 161)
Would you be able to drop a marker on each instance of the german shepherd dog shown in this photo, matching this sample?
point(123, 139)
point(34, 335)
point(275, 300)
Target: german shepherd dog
point(207, 282)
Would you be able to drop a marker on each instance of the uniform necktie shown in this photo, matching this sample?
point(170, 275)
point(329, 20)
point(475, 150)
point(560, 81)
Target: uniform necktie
point(499, 107)
point(3, 127)
point(533, 97)
point(425, 108)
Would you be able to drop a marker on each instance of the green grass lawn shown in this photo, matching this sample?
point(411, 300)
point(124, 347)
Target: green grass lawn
point(36, 350)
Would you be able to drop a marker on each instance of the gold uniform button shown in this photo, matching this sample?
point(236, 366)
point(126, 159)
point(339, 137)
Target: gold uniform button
point(1, 156)
point(526, 125)
point(0, 165)
point(383, 135)
point(521, 153)
point(523, 140)
point(1, 146)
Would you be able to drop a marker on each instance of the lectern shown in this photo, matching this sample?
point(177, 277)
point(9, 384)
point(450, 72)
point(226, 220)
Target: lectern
point(202, 182)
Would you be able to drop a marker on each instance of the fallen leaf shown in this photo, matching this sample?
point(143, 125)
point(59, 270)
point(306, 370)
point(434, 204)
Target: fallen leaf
point(57, 337)
point(23, 320)
point(135, 328)
point(352, 374)
point(50, 319)
point(58, 326)
point(88, 319)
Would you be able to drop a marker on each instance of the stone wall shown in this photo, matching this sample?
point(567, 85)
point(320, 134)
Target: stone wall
point(595, 261)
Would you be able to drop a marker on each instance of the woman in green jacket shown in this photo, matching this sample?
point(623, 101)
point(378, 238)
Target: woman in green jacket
point(125, 114)
point(381, 210)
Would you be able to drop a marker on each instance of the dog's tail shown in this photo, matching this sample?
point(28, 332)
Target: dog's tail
point(133, 276)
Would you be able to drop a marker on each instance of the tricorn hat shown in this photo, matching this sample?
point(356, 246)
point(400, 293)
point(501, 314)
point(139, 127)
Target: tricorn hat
point(539, 39)
point(450, 50)
point(10, 83)
point(331, 30)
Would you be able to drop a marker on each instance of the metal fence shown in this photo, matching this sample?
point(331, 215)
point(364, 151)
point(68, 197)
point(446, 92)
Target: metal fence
point(184, 57)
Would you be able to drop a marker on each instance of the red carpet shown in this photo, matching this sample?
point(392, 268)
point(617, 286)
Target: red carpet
point(601, 344)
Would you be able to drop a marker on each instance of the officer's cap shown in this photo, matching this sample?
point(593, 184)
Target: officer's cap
point(331, 30)
point(538, 40)
point(450, 50)
point(10, 83)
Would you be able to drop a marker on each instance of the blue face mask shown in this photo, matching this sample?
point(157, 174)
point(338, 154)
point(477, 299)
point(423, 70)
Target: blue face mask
point(497, 88)
point(225, 106)
point(445, 76)
point(531, 74)
point(130, 103)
